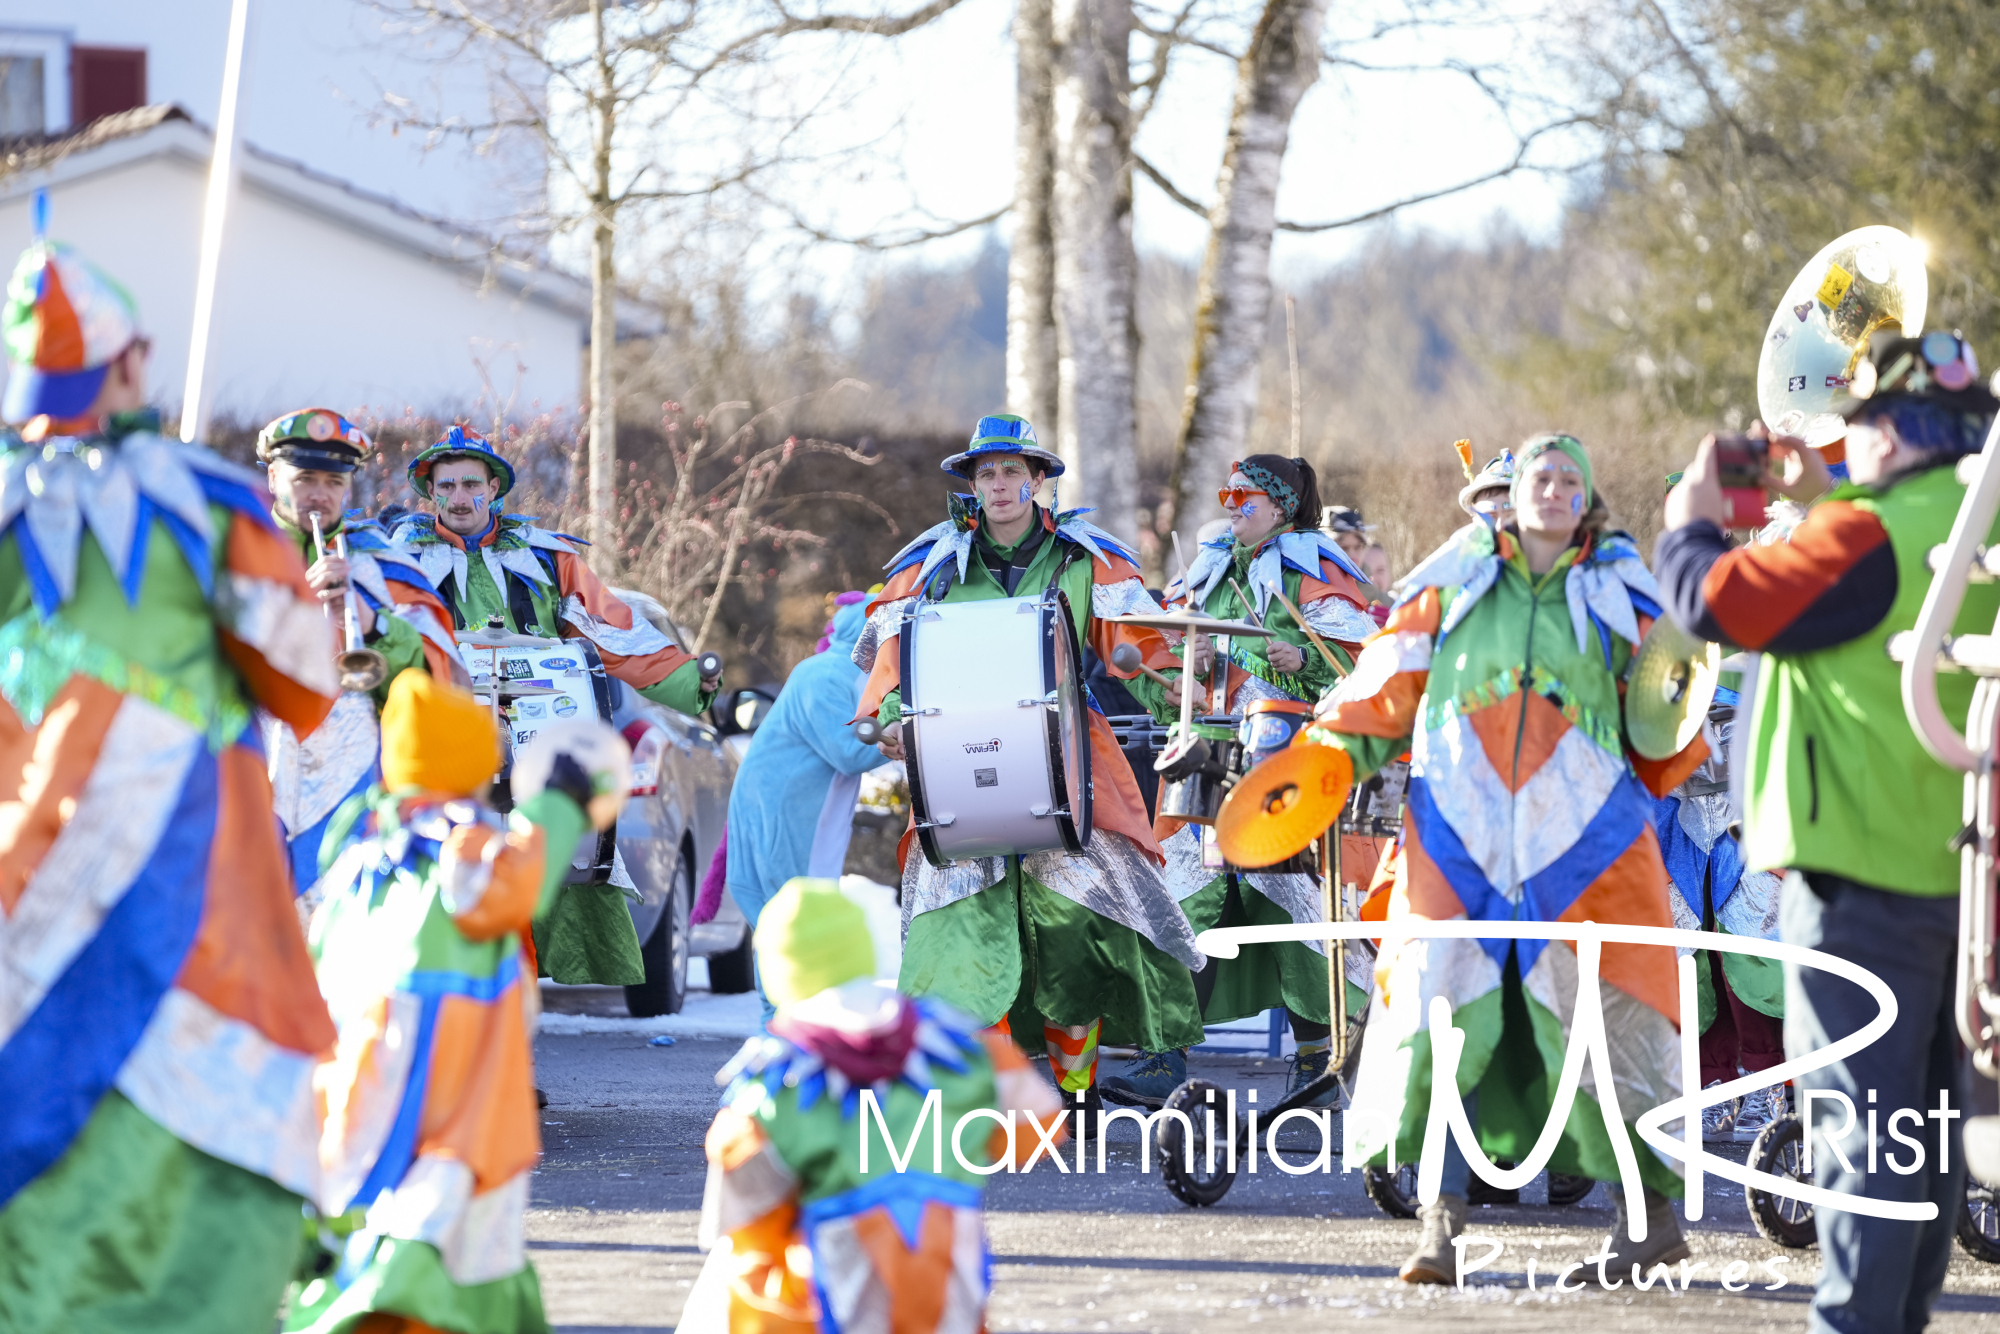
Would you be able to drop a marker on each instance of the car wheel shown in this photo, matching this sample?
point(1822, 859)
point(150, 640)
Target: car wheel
point(734, 973)
point(665, 954)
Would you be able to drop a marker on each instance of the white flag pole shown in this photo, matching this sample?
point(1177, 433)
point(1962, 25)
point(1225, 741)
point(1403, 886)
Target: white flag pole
point(221, 181)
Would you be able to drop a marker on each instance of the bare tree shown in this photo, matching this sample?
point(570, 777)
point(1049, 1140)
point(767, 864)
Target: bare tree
point(635, 105)
point(1095, 267)
point(1233, 301)
point(1031, 263)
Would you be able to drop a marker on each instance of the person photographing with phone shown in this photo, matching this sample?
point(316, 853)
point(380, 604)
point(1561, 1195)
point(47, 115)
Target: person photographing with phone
point(1838, 789)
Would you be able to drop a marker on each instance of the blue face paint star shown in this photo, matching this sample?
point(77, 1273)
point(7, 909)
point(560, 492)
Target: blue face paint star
point(1027, 493)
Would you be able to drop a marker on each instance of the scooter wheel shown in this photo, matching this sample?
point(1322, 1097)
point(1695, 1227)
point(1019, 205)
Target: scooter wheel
point(1185, 1164)
point(1394, 1193)
point(1979, 1223)
point(1780, 1150)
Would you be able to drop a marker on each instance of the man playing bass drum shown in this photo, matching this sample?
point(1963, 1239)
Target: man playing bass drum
point(1076, 947)
point(1273, 543)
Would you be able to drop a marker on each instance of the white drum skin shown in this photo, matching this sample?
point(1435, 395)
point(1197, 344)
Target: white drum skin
point(987, 688)
point(563, 665)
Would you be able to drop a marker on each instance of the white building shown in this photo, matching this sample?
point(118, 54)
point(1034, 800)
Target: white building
point(343, 283)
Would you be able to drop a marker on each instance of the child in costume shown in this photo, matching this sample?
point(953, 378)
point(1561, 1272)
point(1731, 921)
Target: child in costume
point(430, 1123)
point(1272, 504)
point(1502, 670)
point(803, 1237)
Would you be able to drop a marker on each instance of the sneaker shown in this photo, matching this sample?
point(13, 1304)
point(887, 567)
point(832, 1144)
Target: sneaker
point(1718, 1123)
point(1305, 1067)
point(1760, 1108)
point(1148, 1078)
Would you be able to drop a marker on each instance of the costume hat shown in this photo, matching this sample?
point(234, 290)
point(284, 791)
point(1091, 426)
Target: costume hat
point(64, 323)
point(1938, 367)
point(460, 442)
point(1002, 433)
point(436, 737)
point(811, 936)
point(317, 438)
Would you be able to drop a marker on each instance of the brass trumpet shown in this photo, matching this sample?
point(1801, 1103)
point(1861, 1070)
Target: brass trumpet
point(361, 667)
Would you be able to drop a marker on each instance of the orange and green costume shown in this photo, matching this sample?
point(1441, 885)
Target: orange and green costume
point(1524, 804)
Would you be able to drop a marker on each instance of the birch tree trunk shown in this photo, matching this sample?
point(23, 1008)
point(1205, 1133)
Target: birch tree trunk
point(1031, 263)
point(603, 308)
point(1095, 268)
point(1233, 301)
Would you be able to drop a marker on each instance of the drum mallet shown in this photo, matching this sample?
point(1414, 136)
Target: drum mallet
point(709, 665)
point(1126, 659)
point(869, 732)
point(1298, 616)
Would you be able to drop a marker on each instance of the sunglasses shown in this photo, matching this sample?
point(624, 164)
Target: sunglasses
point(1235, 495)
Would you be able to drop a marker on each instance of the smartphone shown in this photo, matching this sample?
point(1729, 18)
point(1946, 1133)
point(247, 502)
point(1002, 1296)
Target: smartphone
point(1739, 462)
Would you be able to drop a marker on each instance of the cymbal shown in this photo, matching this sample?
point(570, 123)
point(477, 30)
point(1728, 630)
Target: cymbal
point(1277, 809)
point(501, 639)
point(1192, 623)
point(1672, 684)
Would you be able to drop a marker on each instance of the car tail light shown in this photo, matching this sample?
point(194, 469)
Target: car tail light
point(649, 746)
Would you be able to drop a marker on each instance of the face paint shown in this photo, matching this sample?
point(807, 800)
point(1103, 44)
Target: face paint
point(1027, 493)
point(1576, 504)
point(1248, 509)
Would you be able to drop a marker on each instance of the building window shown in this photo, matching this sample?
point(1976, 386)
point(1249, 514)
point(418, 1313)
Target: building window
point(104, 80)
point(22, 104)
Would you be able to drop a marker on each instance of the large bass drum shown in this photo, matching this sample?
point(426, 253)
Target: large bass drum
point(996, 728)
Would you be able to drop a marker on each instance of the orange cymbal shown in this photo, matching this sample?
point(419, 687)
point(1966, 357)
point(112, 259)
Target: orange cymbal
point(1277, 809)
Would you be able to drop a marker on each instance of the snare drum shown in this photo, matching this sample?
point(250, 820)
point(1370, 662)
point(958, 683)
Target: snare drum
point(1269, 726)
point(1193, 789)
point(996, 728)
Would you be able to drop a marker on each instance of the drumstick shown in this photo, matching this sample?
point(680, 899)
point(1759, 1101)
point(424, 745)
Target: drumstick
point(1187, 654)
point(1318, 643)
point(1126, 659)
point(1255, 619)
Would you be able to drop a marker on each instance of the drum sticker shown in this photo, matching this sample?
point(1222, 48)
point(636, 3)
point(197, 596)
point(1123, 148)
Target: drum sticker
point(524, 735)
point(1796, 383)
point(558, 664)
point(563, 706)
point(986, 778)
point(515, 668)
point(1836, 382)
point(983, 747)
point(1838, 280)
point(528, 708)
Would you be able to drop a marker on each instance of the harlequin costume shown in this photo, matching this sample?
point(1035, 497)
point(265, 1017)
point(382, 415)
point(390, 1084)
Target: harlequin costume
point(430, 1124)
point(1317, 577)
point(1524, 804)
point(1051, 942)
point(537, 583)
point(890, 1250)
point(311, 779)
point(159, 1022)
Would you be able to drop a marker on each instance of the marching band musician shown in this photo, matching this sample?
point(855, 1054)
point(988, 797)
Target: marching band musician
point(159, 1019)
point(1501, 670)
point(1273, 538)
point(537, 583)
point(1085, 948)
point(309, 458)
point(1841, 793)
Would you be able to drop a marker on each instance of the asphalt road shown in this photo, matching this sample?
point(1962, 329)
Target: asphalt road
point(616, 1201)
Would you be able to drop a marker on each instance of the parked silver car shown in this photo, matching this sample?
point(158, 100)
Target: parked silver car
point(668, 833)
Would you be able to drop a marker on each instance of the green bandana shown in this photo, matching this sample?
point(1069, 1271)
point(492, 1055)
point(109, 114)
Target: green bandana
point(1526, 455)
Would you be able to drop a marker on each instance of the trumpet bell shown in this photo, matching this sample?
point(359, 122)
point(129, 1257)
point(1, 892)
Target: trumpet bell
point(361, 669)
point(1861, 282)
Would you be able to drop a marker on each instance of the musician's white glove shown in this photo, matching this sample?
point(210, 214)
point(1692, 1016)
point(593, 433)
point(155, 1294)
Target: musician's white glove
point(584, 759)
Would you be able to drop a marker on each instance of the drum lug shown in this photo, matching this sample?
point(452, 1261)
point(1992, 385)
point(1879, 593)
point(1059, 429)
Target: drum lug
point(1044, 812)
point(1040, 701)
point(922, 713)
point(942, 822)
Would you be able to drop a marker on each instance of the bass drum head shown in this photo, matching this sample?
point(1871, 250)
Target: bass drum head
point(1069, 724)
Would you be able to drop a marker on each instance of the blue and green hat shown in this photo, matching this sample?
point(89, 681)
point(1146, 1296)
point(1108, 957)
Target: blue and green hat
point(1002, 433)
point(460, 442)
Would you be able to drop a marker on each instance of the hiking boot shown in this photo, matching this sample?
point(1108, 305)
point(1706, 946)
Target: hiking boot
point(1718, 1123)
point(1307, 1066)
point(1148, 1078)
point(1436, 1259)
point(1663, 1245)
point(1760, 1108)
